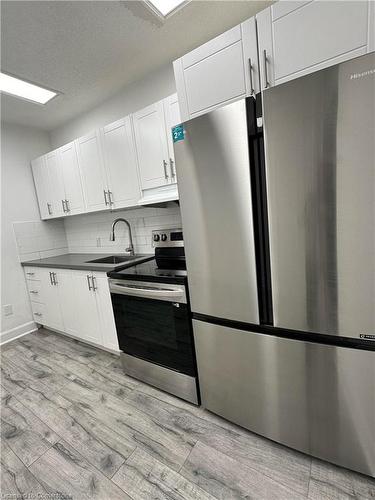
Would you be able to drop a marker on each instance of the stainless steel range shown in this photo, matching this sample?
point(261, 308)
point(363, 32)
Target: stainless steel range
point(153, 319)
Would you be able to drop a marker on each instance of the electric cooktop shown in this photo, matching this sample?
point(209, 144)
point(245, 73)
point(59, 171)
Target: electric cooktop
point(149, 271)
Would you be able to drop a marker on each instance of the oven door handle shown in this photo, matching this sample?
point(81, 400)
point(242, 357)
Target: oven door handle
point(146, 292)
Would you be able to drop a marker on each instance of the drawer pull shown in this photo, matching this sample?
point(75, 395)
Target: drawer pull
point(30, 274)
point(38, 314)
point(34, 291)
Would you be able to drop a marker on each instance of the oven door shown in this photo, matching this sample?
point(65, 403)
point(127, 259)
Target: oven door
point(153, 323)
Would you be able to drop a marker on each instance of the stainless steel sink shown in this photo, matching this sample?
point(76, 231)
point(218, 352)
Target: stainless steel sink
point(119, 259)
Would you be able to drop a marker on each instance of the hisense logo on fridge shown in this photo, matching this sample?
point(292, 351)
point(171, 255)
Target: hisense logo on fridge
point(368, 72)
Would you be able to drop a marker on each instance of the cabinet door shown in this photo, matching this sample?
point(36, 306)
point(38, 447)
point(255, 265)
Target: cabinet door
point(218, 71)
point(68, 302)
point(57, 185)
point(311, 37)
point(266, 62)
point(104, 305)
point(152, 146)
point(172, 118)
point(72, 179)
point(42, 187)
point(121, 163)
point(92, 172)
point(88, 326)
point(53, 316)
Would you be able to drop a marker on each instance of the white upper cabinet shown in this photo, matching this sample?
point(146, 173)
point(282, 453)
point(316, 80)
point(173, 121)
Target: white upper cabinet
point(121, 163)
point(43, 187)
point(172, 117)
point(74, 202)
point(218, 72)
point(297, 38)
point(152, 146)
point(57, 183)
point(92, 171)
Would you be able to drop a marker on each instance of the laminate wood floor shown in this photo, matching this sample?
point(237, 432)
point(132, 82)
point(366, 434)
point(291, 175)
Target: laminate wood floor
point(74, 426)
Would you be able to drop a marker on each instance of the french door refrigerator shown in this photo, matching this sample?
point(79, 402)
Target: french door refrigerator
point(278, 209)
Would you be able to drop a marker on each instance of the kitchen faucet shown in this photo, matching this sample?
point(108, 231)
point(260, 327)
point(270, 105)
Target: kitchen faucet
point(112, 235)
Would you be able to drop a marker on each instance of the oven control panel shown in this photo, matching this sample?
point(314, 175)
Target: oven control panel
point(167, 238)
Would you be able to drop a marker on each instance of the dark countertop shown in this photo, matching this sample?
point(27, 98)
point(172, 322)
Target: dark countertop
point(148, 271)
point(80, 261)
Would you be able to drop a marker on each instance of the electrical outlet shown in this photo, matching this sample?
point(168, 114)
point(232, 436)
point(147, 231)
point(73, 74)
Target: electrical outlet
point(98, 242)
point(8, 310)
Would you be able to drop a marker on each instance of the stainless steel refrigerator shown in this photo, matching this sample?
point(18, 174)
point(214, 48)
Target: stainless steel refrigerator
point(277, 200)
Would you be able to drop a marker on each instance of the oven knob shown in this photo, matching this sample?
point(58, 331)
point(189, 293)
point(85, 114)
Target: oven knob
point(163, 237)
point(156, 237)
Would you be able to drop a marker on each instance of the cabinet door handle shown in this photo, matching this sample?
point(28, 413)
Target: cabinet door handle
point(93, 281)
point(110, 197)
point(49, 209)
point(88, 281)
point(105, 197)
point(63, 205)
point(50, 278)
point(55, 282)
point(251, 78)
point(67, 205)
point(165, 170)
point(173, 169)
point(266, 82)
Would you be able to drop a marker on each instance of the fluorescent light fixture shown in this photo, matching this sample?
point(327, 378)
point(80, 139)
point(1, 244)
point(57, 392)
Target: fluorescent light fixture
point(165, 8)
point(14, 86)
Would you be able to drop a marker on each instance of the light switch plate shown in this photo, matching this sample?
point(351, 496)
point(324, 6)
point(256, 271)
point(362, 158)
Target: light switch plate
point(7, 309)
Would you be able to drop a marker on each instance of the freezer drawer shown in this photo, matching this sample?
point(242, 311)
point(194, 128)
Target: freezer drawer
point(316, 398)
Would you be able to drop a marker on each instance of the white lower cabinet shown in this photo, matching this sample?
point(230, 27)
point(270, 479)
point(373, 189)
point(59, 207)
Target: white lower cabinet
point(86, 308)
point(50, 285)
point(75, 302)
point(104, 308)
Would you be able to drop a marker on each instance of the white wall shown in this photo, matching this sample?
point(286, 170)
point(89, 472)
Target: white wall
point(19, 146)
point(152, 88)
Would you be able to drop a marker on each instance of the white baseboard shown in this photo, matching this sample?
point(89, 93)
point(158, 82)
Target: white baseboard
point(17, 332)
point(113, 350)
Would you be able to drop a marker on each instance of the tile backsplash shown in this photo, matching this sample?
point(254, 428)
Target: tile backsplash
point(89, 233)
point(37, 239)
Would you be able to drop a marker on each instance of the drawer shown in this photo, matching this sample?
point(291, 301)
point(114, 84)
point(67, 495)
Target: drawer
point(35, 290)
point(38, 312)
point(33, 273)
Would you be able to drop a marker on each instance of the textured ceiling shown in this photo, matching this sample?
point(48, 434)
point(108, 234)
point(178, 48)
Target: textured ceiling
point(89, 50)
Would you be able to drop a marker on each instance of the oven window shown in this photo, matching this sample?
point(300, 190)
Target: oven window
point(155, 330)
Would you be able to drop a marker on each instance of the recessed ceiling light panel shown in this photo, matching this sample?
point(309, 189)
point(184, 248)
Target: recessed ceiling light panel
point(19, 88)
point(165, 8)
